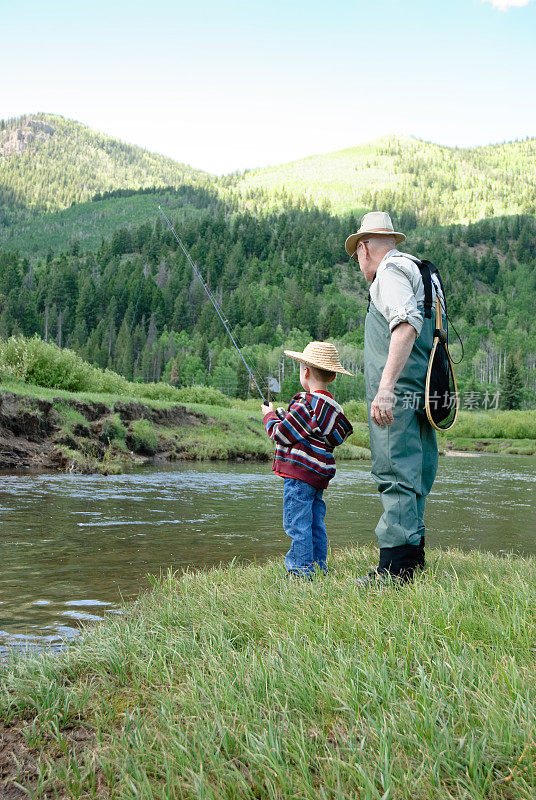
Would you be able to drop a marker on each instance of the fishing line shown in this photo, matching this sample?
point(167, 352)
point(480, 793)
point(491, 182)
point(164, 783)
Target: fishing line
point(212, 300)
point(450, 322)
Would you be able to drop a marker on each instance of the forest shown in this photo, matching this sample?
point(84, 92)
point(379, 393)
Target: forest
point(134, 305)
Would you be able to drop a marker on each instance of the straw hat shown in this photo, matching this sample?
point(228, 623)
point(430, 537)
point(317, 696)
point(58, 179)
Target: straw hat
point(377, 222)
point(322, 355)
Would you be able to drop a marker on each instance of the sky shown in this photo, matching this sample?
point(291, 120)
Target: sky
point(236, 84)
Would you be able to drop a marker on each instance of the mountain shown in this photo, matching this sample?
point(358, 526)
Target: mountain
point(47, 163)
point(434, 184)
point(54, 172)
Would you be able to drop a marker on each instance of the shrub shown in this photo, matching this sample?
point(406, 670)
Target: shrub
point(43, 364)
point(356, 410)
point(144, 437)
point(360, 437)
point(113, 429)
point(109, 382)
point(202, 394)
point(155, 391)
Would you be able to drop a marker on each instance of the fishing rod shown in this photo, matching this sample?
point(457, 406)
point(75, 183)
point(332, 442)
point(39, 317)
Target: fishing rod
point(212, 300)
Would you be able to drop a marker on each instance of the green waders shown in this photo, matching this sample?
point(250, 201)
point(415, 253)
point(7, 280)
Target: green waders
point(404, 454)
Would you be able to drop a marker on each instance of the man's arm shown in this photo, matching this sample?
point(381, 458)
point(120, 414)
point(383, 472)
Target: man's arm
point(402, 341)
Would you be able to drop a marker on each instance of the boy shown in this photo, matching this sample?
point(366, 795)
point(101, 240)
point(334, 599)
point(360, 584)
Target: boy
point(305, 438)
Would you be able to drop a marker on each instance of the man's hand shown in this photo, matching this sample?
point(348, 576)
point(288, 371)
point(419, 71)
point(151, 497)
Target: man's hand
point(266, 408)
point(402, 341)
point(381, 410)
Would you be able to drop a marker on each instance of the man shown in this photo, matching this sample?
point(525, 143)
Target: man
point(398, 341)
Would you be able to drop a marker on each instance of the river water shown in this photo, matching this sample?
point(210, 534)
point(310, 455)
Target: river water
point(71, 546)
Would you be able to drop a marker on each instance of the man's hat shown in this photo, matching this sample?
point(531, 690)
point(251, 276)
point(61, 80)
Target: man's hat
point(377, 222)
point(322, 355)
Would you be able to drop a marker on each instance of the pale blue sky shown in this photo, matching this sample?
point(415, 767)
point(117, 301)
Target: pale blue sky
point(231, 84)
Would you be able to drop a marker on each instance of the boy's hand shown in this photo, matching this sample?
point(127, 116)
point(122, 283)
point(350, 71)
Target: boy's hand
point(266, 408)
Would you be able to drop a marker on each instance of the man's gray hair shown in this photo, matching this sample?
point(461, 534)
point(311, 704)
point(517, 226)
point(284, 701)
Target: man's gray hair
point(380, 241)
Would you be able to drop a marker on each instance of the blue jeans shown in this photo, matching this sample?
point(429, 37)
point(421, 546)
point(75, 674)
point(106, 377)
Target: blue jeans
point(303, 520)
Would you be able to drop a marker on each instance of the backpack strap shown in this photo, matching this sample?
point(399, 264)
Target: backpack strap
point(430, 270)
point(426, 268)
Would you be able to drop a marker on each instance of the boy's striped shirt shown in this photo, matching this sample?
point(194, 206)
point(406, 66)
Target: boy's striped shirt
point(306, 437)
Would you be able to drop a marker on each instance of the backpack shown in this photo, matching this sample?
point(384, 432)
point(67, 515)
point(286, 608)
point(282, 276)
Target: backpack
point(441, 399)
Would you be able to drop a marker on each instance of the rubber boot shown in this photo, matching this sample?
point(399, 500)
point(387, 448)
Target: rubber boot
point(421, 561)
point(401, 562)
point(397, 564)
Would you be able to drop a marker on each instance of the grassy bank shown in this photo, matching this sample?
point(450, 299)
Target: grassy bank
point(106, 432)
point(516, 447)
point(236, 683)
point(509, 432)
point(214, 428)
point(87, 419)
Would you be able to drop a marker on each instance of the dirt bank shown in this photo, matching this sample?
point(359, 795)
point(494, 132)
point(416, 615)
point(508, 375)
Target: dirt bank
point(74, 435)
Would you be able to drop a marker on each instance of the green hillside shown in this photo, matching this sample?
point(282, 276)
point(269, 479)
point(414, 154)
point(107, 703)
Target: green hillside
point(48, 163)
point(82, 226)
point(51, 169)
point(432, 184)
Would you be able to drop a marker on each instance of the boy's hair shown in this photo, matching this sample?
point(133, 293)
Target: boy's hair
point(323, 375)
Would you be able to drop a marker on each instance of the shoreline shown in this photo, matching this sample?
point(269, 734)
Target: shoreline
point(236, 683)
point(92, 433)
point(45, 429)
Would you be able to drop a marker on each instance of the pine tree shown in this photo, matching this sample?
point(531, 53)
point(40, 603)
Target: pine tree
point(511, 384)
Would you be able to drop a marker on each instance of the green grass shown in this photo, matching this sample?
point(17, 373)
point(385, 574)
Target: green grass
point(235, 683)
point(496, 424)
point(144, 436)
point(521, 447)
point(46, 393)
point(238, 434)
point(113, 430)
point(87, 460)
point(509, 432)
point(70, 416)
point(352, 452)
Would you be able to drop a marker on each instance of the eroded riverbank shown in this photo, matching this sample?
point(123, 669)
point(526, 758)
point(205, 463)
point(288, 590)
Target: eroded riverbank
point(106, 434)
point(72, 434)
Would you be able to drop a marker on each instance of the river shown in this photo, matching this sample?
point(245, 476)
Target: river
point(73, 546)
